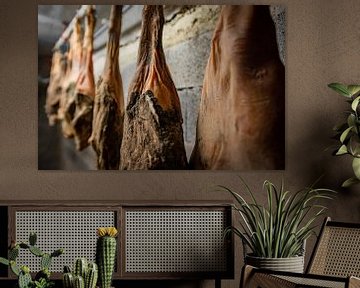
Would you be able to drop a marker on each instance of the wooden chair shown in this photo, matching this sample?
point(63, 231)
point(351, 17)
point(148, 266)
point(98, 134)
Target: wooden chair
point(334, 263)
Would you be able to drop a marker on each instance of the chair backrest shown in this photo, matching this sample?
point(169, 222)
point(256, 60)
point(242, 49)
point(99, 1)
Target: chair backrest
point(337, 251)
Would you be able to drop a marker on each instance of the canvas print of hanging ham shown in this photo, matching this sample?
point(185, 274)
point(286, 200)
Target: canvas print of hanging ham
point(241, 120)
point(170, 87)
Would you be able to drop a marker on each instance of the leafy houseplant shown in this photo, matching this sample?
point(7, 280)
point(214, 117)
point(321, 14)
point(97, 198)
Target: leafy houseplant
point(280, 229)
point(348, 133)
point(42, 278)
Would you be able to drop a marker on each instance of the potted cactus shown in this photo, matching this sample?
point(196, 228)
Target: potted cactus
point(42, 278)
point(84, 275)
point(106, 254)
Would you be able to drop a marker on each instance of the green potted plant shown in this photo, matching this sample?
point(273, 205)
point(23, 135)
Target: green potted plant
point(84, 274)
point(87, 275)
point(106, 254)
point(348, 133)
point(42, 278)
point(274, 235)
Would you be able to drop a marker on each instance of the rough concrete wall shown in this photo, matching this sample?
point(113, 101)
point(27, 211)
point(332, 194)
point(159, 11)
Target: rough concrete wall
point(278, 13)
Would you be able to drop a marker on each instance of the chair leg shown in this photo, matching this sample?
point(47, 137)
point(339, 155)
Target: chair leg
point(217, 283)
point(246, 273)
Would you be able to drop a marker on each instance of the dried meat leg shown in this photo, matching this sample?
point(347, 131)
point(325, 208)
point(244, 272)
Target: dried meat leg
point(109, 101)
point(242, 109)
point(153, 135)
point(68, 88)
point(85, 87)
point(67, 103)
point(54, 90)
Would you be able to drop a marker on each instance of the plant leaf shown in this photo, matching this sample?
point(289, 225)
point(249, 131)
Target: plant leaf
point(355, 103)
point(351, 119)
point(353, 90)
point(340, 88)
point(4, 261)
point(349, 182)
point(342, 150)
point(345, 134)
point(354, 145)
point(356, 167)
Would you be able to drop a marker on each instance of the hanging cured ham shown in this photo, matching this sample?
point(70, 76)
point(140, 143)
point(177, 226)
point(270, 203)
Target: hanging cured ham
point(153, 135)
point(109, 101)
point(242, 110)
point(85, 87)
point(67, 102)
point(54, 90)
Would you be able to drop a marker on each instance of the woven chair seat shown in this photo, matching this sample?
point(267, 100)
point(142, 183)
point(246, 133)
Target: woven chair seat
point(335, 262)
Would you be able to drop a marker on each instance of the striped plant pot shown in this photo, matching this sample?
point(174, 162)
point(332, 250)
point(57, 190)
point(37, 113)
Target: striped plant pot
point(291, 264)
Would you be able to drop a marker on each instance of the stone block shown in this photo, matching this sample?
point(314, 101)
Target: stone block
point(190, 101)
point(278, 13)
point(187, 60)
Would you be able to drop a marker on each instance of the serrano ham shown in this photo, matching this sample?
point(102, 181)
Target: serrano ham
point(242, 110)
point(54, 90)
point(153, 135)
point(85, 87)
point(67, 103)
point(109, 101)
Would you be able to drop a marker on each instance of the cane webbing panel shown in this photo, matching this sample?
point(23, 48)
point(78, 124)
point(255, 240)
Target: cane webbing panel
point(175, 241)
point(338, 252)
point(75, 231)
point(267, 280)
point(300, 282)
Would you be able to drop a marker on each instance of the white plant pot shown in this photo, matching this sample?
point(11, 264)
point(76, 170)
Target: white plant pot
point(291, 264)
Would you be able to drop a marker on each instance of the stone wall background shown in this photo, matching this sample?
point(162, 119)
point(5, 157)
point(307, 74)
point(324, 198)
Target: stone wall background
point(186, 40)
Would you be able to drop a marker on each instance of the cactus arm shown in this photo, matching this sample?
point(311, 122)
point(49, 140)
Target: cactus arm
point(32, 239)
point(79, 282)
point(14, 268)
point(24, 245)
point(57, 253)
point(4, 261)
point(80, 267)
point(67, 269)
point(91, 276)
point(36, 251)
point(68, 280)
point(24, 280)
point(13, 253)
point(45, 261)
